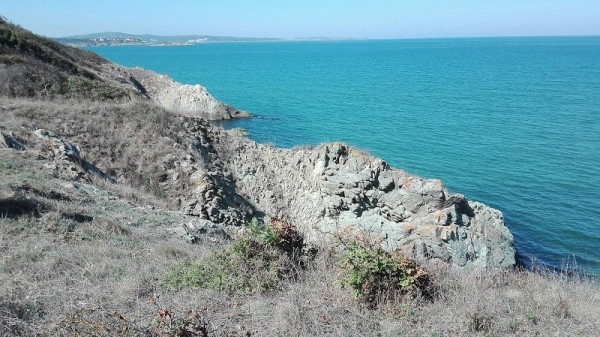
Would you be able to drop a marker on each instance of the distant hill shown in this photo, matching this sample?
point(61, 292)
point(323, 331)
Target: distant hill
point(116, 38)
point(120, 39)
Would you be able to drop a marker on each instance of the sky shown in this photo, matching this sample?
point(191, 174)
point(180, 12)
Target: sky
point(308, 18)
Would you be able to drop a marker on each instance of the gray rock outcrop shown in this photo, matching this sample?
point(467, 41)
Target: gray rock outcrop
point(10, 142)
point(183, 98)
point(67, 159)
point(334, 190)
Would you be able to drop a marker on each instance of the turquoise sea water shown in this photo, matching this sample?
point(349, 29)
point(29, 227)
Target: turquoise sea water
point(511, 122)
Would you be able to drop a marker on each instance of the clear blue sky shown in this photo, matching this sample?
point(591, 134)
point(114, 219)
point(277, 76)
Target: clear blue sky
point(305, 18)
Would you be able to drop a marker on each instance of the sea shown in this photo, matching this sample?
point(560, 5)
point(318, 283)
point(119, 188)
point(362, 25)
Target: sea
point(511, 122)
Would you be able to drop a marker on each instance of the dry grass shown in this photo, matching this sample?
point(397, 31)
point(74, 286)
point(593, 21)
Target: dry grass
point(89, 262)
point(89, 258)
point(136, 143)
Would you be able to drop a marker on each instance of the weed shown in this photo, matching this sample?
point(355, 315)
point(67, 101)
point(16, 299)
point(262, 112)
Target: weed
point(262, 232)
point(371, 271)
point(479, 322)
point(166, 324)
point(531, 317)
point(561, 309)
point(244, 267)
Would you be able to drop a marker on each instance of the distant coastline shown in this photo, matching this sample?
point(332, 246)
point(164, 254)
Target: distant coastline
point(123, 39)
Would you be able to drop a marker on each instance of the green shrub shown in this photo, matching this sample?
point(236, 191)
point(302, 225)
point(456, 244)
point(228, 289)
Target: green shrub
point(262, 232)
point(242, 268)
point(372, 272)
point(254, 262)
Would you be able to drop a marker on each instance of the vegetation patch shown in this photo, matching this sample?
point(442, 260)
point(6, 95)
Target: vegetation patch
point(10, 59)
point(95, 90)
point(255, 262)
point(373, 273)
point(96, 322)
point(8, 37)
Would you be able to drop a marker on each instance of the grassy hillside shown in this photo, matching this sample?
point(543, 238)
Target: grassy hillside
point(34, 66)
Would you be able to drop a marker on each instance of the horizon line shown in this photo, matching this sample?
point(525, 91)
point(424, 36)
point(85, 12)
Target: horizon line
point(338, 37)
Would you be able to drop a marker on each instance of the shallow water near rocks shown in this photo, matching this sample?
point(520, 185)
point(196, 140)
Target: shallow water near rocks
point(511, 122)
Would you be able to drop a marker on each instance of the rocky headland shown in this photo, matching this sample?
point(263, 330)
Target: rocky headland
point(181, 98)
point(125, 212)
point(224, 179)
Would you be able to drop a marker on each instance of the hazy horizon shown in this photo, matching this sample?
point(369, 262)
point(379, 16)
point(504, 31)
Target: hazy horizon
point(378, 19)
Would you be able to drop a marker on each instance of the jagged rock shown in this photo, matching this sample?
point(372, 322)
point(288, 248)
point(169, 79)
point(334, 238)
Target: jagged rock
point(193, 231)
point(60, 148)
point(10, 142)
point(68, 158)
point(333, 188)
point(183, 98)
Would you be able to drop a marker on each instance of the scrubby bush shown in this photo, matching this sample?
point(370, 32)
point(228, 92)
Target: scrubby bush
point(254, 262)
point(244, 267)
point(373, 273)
point(166, 324)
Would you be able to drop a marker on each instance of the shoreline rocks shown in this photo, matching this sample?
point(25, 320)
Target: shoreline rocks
point(333, 189)
point(183, 98)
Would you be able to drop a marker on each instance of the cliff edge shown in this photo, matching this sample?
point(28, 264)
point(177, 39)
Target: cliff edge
point(144, 130)
point(183, 98)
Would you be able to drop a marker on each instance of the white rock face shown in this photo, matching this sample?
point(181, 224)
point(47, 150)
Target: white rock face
point(169, 94)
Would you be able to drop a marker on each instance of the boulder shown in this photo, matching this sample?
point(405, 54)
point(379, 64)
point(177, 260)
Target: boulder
point(10, 142)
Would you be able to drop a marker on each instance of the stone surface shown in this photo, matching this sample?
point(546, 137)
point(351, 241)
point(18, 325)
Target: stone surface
point(193, 231)
point(10, 142)
point(67, 158)
point(334, 190)
point(183, 98)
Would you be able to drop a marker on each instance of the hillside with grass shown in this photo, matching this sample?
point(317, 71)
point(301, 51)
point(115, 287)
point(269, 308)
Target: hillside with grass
point(125, 213)
point(37, 67)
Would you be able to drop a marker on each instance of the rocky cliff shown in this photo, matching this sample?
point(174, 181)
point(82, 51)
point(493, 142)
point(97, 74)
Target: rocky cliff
point(143, 129)
point(332, 190)
point(192, 99)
